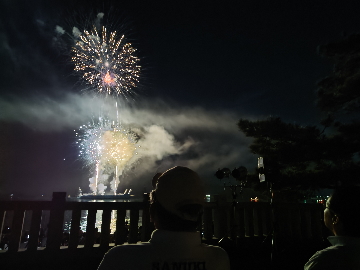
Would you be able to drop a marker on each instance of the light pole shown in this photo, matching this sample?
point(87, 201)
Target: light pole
point(239, 173)
point(269, 171)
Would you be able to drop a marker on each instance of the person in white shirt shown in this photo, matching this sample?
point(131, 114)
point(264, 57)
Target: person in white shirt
point(176, 207)
point(341, 216)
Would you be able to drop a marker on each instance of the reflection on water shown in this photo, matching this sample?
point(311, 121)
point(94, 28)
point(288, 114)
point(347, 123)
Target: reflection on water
point(84, 214)
point(83, 220)
point(132, 199)
point(67, 217)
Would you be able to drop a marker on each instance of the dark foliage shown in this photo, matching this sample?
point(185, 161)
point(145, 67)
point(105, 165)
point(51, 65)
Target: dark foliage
point(297, 157)
point(339, 92)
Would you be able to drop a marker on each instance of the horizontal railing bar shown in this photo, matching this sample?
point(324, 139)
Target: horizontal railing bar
point(47, 205)
point(105, 205)
point(25, 205)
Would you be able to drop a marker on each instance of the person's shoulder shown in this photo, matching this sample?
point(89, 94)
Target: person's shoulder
point(217, 256)
point(325, 258)
point(216, 250)
point(128, 248)
point(125, 255)
point(211, 247)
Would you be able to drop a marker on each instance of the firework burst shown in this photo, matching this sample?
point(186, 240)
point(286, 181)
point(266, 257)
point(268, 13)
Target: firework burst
point(108, 148)
point(89, 141)
point(118, 147)
point(109, 144)
point(107, 63)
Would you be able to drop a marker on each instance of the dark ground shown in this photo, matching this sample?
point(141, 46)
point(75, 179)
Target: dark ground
point(247, 253)
point(257, 253)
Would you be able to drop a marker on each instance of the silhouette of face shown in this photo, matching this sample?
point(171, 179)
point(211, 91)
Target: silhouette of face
point(331, 220)
point(328, 216)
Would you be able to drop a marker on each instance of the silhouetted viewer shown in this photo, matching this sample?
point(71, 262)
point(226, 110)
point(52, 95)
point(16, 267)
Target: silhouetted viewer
point(341, 216)
point(175, 208)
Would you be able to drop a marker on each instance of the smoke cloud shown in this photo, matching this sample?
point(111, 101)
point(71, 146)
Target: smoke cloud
point(59, 30)
point(76, 32)
point(170, 134)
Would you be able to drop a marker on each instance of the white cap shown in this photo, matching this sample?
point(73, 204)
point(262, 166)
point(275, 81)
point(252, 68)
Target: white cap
point(177, 187)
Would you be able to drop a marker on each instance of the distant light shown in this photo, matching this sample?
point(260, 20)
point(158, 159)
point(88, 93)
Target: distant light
point(260, 162)
point(64, 158)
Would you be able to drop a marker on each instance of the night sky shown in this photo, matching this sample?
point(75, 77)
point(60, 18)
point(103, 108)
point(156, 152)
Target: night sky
point(204, 64)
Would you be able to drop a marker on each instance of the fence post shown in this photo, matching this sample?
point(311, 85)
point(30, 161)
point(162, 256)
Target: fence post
point(121, 229)
point(34, 230)
point(231, 221)
point(56, 220)
point(220, 218)
point(133, 228)
point(105, 229)
point(2, 220)
point(258, 211)
point(75, 228)
point(147, 226)
point(208, 223)
point(240, 216)
point(249, 215)
point(305, 222)
point(16, 230)
point(90, 229)
point(316, 221)
point(296, 223)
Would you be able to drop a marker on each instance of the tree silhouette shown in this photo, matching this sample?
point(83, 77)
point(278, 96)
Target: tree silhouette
point(339, 92)
point(312, 157)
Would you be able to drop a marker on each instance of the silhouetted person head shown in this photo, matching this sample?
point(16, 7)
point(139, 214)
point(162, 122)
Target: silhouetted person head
point(155, 178)
point(341, 214)
point(177, 200)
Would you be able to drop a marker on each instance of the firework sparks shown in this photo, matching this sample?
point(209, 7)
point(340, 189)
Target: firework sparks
point(89, 140)
point(106, 63)
point(109, 147)
point(118, 147)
